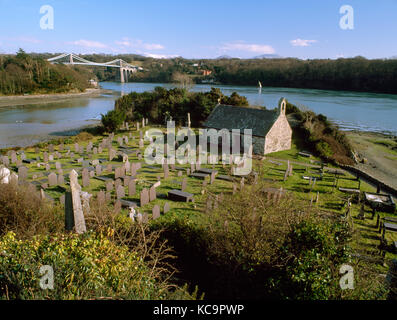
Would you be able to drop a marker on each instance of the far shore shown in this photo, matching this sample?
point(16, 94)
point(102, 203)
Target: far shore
point(10, 101)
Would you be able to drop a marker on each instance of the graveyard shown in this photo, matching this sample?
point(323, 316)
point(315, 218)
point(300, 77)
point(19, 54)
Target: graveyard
point(109, 170)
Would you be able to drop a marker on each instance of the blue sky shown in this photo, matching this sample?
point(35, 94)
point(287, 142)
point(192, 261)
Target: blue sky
point(202, 29)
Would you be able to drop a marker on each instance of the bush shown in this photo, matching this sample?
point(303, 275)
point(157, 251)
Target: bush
point(24, 212)
point(243, 249)
point(113, 120)
point(88, 266)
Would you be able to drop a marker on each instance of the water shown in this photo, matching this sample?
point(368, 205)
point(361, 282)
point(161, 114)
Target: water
point(27, 124)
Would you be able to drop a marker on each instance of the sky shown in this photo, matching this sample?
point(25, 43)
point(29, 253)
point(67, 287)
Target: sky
point(305, 29)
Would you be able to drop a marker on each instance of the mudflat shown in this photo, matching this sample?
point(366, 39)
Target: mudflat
point(9, 101)
point(378, 154)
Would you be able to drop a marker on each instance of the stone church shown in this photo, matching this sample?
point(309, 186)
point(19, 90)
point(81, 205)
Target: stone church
point(271, 131)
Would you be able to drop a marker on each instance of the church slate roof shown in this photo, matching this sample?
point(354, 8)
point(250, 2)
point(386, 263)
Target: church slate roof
point(233, 117)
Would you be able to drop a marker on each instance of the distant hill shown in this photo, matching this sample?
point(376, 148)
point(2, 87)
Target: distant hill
point(224, 57)
point(268, 56)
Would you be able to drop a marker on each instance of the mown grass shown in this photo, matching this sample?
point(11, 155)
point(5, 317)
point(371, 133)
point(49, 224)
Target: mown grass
point(331, 201)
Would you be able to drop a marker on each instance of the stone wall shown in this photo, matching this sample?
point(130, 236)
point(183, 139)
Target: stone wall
point(279, 136)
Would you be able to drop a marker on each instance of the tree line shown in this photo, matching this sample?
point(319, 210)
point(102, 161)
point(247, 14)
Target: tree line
point(27, 74)
point(353, 74)
point(161, 105)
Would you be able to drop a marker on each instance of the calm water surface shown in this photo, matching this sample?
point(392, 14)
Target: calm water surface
point(23, 125)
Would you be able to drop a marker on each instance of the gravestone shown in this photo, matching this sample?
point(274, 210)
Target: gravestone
point(109, 168)
point(152, 193)
point(144, 197)
point(58, 165)
point(101, 198)
point(112, 154)
point(120, 193)
point(6, 161)
point(61, 179)
point(79, 221)
point(51, 148)
point(166, 207)
point(13, 157)
point(213, 174)
point(117, 206)
point(141, 143)
point(52, 179)
point(184, 184)
point(166, 171)
point(131, 188)
point(156, 212)
point(98, 170)
point(108, 196)
point(22, 173)
point(109, 185)
point(126, 181)
point(86, 178)
point(117, 183)
point(45, 157)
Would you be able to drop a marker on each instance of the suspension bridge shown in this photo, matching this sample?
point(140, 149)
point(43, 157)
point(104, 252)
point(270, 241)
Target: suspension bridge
point(71, 59)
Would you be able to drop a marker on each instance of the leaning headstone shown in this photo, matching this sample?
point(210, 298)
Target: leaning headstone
point(166, 207)
point(79, 221)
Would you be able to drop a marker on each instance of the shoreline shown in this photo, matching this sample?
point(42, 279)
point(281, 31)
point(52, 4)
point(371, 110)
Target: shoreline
point(11, 101)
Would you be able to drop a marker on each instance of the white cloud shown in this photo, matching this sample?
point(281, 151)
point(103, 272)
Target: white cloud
point(89, 44)
point(241, 46)
point(139, 44)
point(160, 56)
point(302, 43)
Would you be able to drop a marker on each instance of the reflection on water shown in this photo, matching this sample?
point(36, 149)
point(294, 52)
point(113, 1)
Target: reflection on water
point(351, 110)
